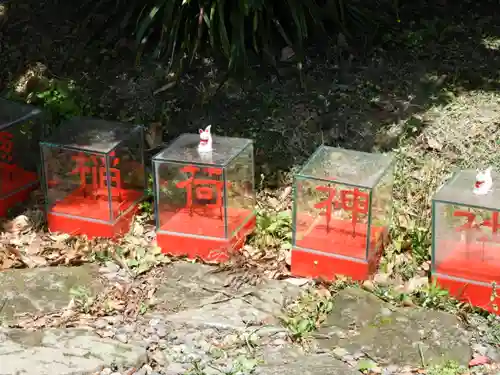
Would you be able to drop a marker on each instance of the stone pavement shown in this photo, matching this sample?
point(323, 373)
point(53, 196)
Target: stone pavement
point(201, 327)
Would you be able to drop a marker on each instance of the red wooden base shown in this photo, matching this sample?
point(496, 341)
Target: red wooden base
point(339, 251)
point(327, 266)
point(16, 184)
point(477, 295)
point(341, 238)
point(96, 206)
point(476, 262)
point(78, 214)
point(181, 241)
point(468, 272)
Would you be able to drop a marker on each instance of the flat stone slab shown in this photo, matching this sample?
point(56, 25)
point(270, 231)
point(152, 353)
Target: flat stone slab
point(63, 352)
point(289, 361)
point(43, 290)
point(194, 294)
point(361, 322)
point(226, 309)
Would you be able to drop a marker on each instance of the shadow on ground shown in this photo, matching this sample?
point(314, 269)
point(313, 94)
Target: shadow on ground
point(369, 103)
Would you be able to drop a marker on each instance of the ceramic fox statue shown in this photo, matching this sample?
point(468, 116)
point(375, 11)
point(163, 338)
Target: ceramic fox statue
point(205, 140)
point(483, 183)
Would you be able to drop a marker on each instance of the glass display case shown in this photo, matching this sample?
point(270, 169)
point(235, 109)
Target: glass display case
point(94, 176)
point(21, 128)
point(205, 201)
point(466, 240)
point(341, 214)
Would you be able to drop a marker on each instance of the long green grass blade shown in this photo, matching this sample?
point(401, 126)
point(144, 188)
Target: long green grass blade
point(226, 48)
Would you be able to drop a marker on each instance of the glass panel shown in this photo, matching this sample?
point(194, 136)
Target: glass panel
point(240, 191)
point(185, 149)
point(91, 135)
point(11, 112)
point(190, 199)
point(381, 213)
point(20, 154)
point(127, 175)
point(459, 191)
point(331, 218)
point(76, 183)
point(346, 166)
point(466, 242)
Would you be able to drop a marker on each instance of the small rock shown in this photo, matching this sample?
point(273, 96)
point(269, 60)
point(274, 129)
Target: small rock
point(153, 339)
point(161, 332)
point(479, 349)
point(100, 324)
point(298, 281)
point(159, 358)
point(142, 371)
point(122, 338)
point(112, 267)
point(358, 355)
point(391, 369)
point(205, 346)
point(493, 353)
point(349, 358)
point(106, 371)
point(211, 371)
point(154, 322)
point(279, 342)
point(340, 353)
point(175, 369)
point(416, 283)
point(381, 278)
point(281, 334)
point(107, 334)
point(230, 340)
point(385, 311)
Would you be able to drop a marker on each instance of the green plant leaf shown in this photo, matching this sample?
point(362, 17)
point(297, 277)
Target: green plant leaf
point(366, 364)
point(146, 23)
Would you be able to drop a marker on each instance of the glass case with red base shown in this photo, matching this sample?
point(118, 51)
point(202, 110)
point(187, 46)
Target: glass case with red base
point(94, 177)
point(205, 200)
point(466, 240)
point(341, 213)
point(21, 128)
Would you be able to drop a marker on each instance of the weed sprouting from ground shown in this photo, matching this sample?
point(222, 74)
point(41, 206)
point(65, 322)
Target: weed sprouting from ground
point(449, 368)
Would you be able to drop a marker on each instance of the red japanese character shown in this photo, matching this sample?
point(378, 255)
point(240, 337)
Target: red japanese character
point(81, 167)
point(327, 203)
point(115, 175)
point(353, 201)
point(97, 171)
point(494, 225)
point(470, 224)
point(205, 189)
point(6, 146)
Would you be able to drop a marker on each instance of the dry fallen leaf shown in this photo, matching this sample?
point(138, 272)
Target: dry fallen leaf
point(286, 54)
point(478, 361)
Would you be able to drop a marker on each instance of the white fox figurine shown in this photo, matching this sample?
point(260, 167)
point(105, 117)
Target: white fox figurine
point(484, 182)
point(205, 140)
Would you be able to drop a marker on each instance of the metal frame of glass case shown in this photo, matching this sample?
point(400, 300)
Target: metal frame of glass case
point(94, 177)
point(204, 202)
point(341, 213)
point(466, 241)
point(21, 128)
